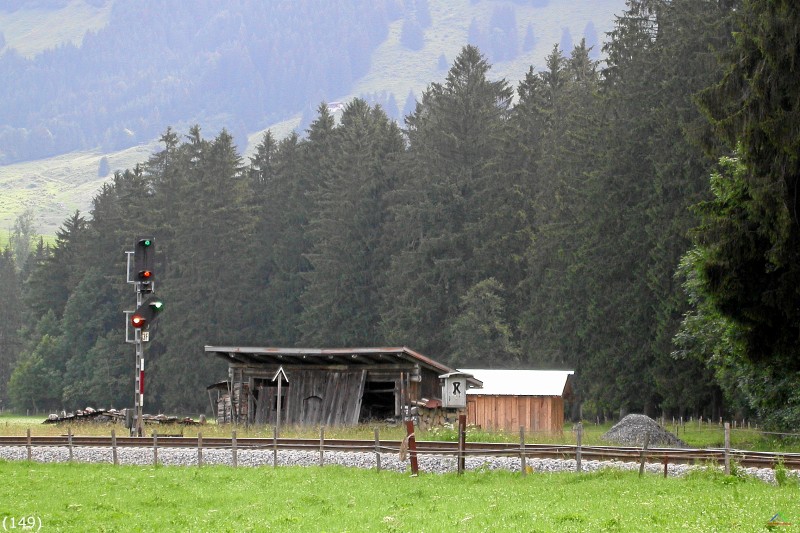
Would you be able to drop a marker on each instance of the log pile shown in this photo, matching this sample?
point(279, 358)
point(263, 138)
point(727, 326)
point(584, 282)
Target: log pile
point(435, 416)
point(114, 416)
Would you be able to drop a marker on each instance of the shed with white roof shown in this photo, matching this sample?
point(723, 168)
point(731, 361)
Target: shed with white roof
point(510, 399)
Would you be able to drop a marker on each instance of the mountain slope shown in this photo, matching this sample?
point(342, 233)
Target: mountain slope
point(56, 186)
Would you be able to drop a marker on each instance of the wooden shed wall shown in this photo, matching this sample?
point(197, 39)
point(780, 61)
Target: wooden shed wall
point(314, 397)
point(534, 413)
point(324, 395)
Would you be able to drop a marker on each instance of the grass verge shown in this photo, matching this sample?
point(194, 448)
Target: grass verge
point(83, 497)
point(696, 435)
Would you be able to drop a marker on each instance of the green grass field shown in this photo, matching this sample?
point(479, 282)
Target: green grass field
point(81, 497)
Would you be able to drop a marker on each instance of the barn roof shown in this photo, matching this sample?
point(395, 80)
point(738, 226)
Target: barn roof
point(521, 382)
point(329, 356)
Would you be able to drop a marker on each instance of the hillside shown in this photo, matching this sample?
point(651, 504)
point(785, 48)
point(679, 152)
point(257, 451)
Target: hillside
point(53, 187)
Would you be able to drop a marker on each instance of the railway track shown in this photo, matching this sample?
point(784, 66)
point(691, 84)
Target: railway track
point(531, 451)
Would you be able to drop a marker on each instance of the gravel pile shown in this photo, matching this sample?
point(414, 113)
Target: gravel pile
point(632, 430)
point(428, 464)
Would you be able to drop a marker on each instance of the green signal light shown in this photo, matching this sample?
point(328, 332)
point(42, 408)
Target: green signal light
point(147, 242)
point(157, 306)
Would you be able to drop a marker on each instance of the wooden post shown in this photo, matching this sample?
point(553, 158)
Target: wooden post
point(322, 446)
point(666, 465)
point(28, 445)
point(403, 413)
point(234, 455)
point(69, 442)
point(727, 448)
point(199, 449)
point(644, 453)
point(155, 448)
point(522, 467)
point(275, 446)
point(578, 448)
point(114, 457)
point(377, 450)
point(412, 447)
point(462, 440)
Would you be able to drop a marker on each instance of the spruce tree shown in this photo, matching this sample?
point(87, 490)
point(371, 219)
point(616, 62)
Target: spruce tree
point(341, 304)
point(454, 144)
point(10, 319)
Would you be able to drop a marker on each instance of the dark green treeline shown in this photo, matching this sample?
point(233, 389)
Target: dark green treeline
point(537, 226)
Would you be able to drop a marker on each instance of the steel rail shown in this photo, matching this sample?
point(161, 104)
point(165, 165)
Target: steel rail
point(532, 451)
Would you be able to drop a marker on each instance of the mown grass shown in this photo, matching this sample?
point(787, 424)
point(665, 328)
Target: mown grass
point(92, 497)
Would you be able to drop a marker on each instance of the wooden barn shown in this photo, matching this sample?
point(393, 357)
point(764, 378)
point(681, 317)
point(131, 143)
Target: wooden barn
point(510, 399)
point(323, 386)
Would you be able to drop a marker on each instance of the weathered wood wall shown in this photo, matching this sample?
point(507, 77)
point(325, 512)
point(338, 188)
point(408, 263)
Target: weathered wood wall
point(322, 395)
point(534, 413)
point(314, 397)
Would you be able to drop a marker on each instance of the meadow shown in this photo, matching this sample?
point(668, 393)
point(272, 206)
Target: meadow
point(103, 497)
point(94, 497)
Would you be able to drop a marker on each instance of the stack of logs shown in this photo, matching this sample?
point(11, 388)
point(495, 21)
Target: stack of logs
point(431, 417)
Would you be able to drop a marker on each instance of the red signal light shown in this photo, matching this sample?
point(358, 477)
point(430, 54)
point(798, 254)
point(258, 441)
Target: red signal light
point(145, 275)
point(138, 321)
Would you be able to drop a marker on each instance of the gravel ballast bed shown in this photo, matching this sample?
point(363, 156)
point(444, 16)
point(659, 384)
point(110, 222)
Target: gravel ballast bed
point(438, 464)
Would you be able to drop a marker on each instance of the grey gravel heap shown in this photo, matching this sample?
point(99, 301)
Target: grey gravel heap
point(631, 431)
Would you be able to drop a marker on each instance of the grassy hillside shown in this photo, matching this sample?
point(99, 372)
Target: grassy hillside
point(55, 187)
point(31, 31)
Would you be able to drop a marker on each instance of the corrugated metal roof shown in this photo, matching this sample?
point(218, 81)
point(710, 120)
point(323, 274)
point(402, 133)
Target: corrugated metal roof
point(268, 355)
point(520, 382)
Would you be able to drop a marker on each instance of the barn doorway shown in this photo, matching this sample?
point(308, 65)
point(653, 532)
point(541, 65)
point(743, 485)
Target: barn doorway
point(378, 402)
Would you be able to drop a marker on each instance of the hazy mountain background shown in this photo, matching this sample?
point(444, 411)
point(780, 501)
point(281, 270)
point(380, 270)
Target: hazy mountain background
point(90, 84)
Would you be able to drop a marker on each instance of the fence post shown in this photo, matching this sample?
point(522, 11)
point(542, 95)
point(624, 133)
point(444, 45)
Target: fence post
point(28, 445)
point(578, 448)
point(199, 449)
point(727, 448)
point(412, 447)
point(275, 446)
point(377, 450)
point(644, 453)
point(155, 448)
point(462, 441)
point(69, 442)
point(322, 446)
point(234, 455)
point(114, 457)
point(522, 466)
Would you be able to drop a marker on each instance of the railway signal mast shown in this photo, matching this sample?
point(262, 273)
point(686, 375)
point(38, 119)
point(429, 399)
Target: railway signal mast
point(148, 307)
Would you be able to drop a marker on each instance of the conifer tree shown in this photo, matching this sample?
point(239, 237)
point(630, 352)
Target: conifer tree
point(10, 319)
point(747, 267)
point(454, 142)
point(341, 305)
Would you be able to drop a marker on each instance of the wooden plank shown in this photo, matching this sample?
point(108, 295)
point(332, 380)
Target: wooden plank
point(331, 399)
point(356, 413)
point(472, 411)
point(263, 405)
point(528, 410)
